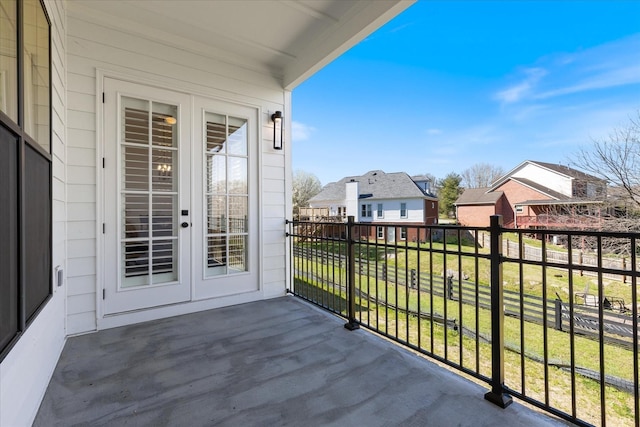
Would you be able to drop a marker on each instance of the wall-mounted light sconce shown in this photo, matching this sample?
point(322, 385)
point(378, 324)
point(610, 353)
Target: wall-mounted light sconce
point(278, 130)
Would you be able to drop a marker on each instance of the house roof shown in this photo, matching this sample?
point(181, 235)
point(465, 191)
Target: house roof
point(478, 196)
point(548, 202)
point(285, 40)
point(559, 169)
point(374, 184)
point(567, 171)
point(539, 188)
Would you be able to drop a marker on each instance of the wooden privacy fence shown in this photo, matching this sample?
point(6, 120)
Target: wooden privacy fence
point(532, 253)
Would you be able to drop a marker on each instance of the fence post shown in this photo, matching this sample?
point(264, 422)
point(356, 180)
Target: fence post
point(497, 394)
point(351, 277)
point(558, 307)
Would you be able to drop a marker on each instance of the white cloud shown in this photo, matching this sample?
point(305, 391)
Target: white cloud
point(434, 131)
point(301, 131)
point(608, 79)
point(609, 65)
point(517, 92)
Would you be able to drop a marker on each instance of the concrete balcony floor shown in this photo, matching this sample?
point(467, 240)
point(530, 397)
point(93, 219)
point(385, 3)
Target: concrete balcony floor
point(269, 363)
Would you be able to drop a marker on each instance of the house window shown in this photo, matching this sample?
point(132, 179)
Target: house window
point(433, 205)
point(519, 209)
point(366, 211)
point(403, 233)
point(379, 212)
point(380, 232)
point(403, 210)
point(25, 167)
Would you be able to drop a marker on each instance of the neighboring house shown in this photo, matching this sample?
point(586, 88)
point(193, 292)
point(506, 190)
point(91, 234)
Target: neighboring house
point(535, 195)
point(139, 174)
point(380, 199)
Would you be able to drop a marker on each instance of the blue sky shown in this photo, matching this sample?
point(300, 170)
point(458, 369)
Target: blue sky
point(448, 84)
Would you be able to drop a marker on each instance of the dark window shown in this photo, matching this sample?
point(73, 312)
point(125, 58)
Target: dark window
point(25, 166)
point(9, 240)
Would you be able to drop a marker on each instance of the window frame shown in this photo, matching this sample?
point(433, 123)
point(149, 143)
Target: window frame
point(380, 232)
point(27, 147)
point(403, 233)
point(365, 210)
point(403, 210)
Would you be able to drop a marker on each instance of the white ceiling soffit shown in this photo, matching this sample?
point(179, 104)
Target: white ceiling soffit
point(289, 40)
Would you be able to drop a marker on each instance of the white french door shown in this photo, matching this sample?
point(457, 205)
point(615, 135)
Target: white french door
point(225, 200)
point(147, 197)
point(180, 198)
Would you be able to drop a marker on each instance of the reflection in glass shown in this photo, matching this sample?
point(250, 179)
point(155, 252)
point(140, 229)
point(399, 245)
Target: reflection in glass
point(36, 74)
point(238, 213)
point(237, 175)
point(8, 59)
point(237, 136)
point(163, 168)
point(226, 194)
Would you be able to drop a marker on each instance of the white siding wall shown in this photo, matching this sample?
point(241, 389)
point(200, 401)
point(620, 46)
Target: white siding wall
point(391, 210)
point(545, 177)
point(94, 46)
point(25, 372)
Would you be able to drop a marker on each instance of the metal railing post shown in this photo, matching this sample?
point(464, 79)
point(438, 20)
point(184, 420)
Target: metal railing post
point(351, 277)
point(497, 394)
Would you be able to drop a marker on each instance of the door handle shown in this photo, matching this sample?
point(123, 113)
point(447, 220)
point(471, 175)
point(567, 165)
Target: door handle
point(184, 224)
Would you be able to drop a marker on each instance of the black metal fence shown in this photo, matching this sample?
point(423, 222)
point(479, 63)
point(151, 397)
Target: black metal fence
point(537, 329)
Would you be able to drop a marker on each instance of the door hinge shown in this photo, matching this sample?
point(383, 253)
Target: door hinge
point(103, 97)
point(104, 293)
point(103, 228)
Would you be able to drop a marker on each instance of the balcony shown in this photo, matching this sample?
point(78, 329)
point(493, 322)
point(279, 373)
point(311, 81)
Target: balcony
point(275, 362)
point(553, 325)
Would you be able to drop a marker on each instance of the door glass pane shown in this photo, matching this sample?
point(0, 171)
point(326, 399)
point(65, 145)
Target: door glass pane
point(216, 174)
point(162, 168)
point(237, 254)
point(36, 73)
point(164, 120)
point(237, 136)
point(215, 133)
point(216, 219)
point(135, 161)
point(149, 196)
point(238, 213)
point(237, 175)
point(8, 61)
point(226, 194)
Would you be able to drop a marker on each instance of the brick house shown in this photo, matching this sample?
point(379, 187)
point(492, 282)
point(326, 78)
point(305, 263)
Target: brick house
point(535, 195)
point(379, 199)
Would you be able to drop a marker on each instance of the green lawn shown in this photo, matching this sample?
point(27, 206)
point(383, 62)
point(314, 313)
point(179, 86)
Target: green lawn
point(462, 349)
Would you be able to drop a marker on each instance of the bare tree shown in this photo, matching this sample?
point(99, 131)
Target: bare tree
point(481, 175)
point(617, 160)
point(305, 186)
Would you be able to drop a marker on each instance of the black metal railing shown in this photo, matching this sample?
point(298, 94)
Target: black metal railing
point(553, 331)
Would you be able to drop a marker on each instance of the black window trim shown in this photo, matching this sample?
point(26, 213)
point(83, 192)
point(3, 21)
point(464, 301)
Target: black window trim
point(25, 140)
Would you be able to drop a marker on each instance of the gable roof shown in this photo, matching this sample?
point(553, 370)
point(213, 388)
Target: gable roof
point(478, 196)
point(539, 188)
point(374, 184)
point(566, 171)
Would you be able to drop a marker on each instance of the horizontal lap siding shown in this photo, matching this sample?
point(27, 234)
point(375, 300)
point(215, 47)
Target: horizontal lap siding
point(95, 46)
